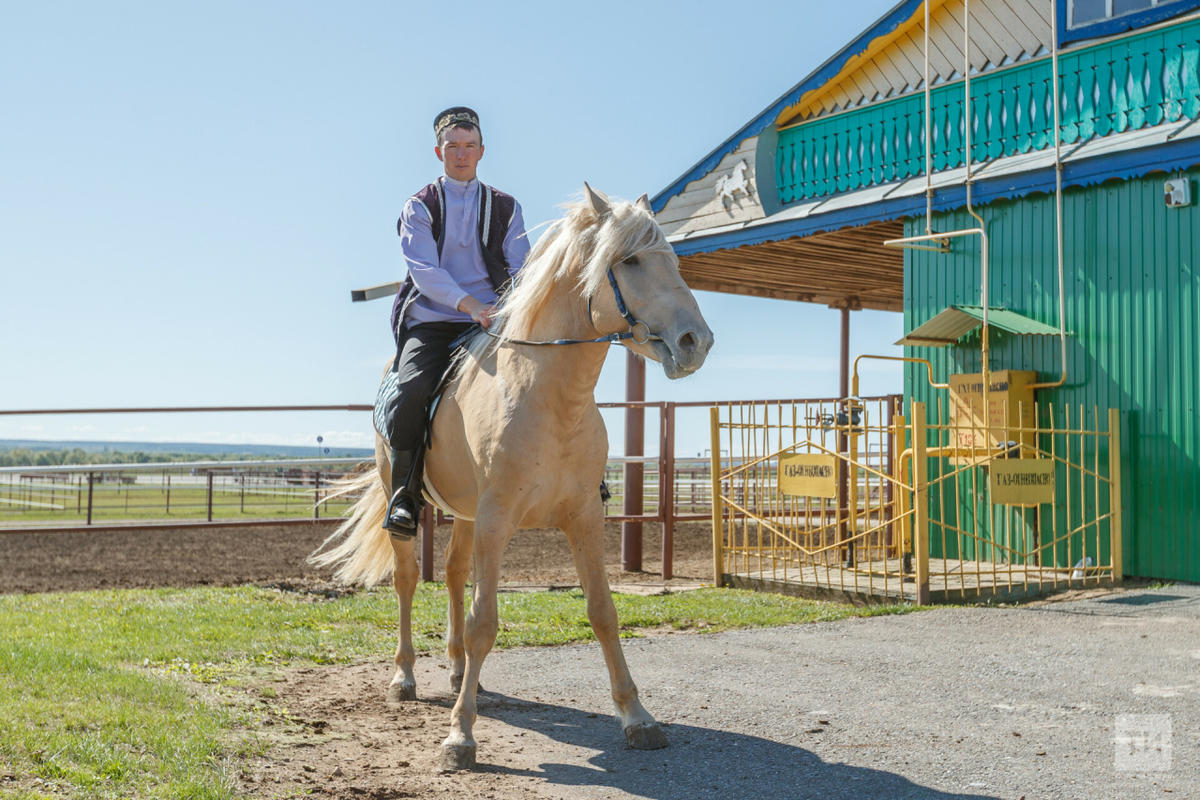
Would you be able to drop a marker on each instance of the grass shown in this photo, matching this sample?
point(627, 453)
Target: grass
point(102, 693)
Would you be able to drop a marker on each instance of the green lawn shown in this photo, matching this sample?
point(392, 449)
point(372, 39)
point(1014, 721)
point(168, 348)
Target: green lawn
point(101, 692)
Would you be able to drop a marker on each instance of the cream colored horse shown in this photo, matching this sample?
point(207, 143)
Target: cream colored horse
point(518, 442)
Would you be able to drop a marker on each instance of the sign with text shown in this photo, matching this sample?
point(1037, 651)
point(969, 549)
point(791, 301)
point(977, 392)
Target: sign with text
point(808, 475)
point(1022, 481)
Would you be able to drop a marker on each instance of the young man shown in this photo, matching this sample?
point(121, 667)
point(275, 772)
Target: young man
point(462, 242)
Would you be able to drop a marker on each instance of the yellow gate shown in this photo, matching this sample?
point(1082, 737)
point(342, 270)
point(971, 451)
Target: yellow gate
point(858, 501)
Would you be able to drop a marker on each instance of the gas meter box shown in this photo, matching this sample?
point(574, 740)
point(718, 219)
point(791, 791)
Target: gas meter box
point(1010, 409)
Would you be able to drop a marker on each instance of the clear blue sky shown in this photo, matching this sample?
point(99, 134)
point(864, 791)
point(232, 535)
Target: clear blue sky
point(189, 191)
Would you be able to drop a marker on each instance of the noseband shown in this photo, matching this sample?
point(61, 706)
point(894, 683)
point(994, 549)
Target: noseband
point(638, 331)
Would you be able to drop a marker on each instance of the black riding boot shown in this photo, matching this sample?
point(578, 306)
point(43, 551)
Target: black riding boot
point(404, 508)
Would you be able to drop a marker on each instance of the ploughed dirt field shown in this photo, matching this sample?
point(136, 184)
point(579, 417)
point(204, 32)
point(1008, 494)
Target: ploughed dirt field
point(271, 553)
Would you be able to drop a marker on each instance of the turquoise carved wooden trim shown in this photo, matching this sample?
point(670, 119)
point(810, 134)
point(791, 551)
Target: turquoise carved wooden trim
point(1131, 83)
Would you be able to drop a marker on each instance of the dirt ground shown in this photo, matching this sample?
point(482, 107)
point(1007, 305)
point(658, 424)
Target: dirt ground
point(99, 559)
point(332, 733)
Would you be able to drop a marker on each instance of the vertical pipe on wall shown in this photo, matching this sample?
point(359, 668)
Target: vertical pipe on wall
point(984, 279)
point(928, 129)
point(1058, 201)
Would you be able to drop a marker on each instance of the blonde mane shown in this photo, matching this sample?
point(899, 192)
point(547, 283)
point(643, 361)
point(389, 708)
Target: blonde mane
point(579, 248)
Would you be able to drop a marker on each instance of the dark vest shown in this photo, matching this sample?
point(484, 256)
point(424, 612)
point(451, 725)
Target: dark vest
point(495, 215)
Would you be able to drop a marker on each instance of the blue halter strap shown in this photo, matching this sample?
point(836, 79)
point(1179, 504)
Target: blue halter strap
point(638, 331)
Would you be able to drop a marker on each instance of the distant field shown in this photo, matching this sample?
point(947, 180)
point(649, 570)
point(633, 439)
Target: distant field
point(66, 503)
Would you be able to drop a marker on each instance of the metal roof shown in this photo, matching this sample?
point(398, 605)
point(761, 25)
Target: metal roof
point(957, 321)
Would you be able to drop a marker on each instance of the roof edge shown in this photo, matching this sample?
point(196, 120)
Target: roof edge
point(886, 24)
point(1165, 157)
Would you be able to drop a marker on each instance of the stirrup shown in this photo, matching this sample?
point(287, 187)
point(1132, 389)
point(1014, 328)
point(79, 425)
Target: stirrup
point(401, 517)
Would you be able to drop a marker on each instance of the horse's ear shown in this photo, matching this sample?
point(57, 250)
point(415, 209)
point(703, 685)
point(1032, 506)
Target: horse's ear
point(596, 200)
point(643, 203)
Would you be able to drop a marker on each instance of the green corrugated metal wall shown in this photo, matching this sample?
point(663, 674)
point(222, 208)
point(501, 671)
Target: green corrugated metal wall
point(1133, 306)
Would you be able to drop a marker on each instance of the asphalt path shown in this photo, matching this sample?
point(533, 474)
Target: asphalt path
point(1083, 699)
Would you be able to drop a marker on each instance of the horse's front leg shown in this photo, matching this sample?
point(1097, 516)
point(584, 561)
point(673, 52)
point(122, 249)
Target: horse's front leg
point(404, 580)
point(491, 535)
point(586, 536)
point(458, 567)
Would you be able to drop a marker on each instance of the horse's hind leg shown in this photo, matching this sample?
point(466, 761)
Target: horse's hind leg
point(458, 567)
point(404, 580)
point(587, 545)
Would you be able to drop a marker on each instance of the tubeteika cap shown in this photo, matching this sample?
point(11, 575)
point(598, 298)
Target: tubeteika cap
point(457, 115)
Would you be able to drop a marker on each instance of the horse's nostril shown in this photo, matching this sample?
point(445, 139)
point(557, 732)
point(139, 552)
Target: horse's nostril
point(688, 341)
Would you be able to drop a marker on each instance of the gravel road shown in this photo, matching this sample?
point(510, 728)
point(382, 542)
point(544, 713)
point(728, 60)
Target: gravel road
point(1089, 698)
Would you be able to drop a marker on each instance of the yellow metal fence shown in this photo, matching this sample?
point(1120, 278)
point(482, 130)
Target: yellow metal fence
point(864, 502)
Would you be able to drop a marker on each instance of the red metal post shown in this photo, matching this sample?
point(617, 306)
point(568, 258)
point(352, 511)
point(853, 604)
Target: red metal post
point(847, 553)
point(317, 495)
point(666, 488)
point(635, 431)
point(427, 543)
point(91, 483)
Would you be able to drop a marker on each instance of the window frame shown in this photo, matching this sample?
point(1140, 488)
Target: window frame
point(1166, 9)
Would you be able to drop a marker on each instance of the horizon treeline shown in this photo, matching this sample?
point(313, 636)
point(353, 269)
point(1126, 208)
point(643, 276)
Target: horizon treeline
point(27, 457)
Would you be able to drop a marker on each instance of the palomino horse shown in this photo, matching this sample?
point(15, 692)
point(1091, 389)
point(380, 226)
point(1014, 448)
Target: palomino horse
point(517, 442)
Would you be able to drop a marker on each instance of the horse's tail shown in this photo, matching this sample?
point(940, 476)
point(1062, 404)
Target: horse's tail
point(364, 553)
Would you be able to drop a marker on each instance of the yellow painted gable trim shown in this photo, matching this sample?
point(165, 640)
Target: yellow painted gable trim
point(810, 102)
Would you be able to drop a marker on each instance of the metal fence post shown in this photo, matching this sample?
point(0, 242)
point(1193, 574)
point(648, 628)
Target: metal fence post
point(717, 508)
point(317, 494)
point(209, 501)
point(920, 503)
point(427, 544)
point(666, 488)
point(91, 483)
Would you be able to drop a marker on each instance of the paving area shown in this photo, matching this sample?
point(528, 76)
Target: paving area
point(1088, 698)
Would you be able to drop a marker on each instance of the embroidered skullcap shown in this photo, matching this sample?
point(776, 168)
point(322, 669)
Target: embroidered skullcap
point(457, 115)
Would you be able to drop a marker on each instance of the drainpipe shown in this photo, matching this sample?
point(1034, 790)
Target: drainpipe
point(1058, 203)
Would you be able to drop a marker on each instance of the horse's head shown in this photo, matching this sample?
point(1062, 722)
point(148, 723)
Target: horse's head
point(633, 283)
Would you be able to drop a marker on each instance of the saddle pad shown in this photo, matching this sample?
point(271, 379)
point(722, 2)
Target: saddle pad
point(389, 389)
point(384, 399)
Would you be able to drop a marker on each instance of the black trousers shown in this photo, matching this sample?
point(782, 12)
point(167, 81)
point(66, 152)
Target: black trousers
point(424, 354)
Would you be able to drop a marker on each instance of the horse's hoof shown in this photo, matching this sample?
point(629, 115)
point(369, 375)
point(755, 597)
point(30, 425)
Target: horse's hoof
point(645, 736)
point(456, 684)
point(401, 692)
point(458, 756)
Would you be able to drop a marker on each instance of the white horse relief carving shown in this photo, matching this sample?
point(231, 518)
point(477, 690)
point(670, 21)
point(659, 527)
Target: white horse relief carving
point(729, 186)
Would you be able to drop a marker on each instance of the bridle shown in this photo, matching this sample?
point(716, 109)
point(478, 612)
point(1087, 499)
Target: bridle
point(638, 331)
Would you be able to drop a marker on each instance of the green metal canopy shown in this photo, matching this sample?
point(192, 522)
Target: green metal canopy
point(956, 321)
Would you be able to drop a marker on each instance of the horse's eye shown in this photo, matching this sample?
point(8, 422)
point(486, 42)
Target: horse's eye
point(632, 261)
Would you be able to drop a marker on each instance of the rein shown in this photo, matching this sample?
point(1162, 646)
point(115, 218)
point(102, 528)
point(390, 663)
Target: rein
point(638, 331)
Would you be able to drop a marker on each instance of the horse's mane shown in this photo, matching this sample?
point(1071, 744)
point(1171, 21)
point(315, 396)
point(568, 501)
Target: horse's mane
point(578, 248)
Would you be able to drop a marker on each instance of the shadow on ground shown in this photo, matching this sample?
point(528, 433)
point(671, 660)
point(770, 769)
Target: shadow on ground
point(700, 762)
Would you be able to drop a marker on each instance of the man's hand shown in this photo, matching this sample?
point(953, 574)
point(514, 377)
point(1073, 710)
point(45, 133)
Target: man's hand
point(480, 312)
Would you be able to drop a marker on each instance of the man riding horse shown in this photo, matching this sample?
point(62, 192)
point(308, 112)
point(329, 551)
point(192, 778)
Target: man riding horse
point(462, 242)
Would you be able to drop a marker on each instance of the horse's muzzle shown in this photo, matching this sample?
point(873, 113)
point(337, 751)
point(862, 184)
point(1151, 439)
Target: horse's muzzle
point(686, 350)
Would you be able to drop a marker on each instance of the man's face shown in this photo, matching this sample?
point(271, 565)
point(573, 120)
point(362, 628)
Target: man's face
point(460, 152)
